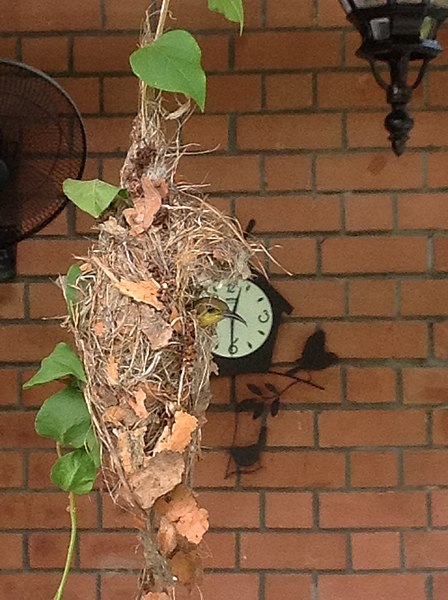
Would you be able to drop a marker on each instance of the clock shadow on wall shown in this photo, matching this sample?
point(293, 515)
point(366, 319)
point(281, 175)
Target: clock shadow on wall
point(247, 346)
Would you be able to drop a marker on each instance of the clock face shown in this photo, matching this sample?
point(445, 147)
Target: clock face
point(249, 301)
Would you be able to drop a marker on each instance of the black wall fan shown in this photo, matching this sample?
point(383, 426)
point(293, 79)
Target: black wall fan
point(42, 143)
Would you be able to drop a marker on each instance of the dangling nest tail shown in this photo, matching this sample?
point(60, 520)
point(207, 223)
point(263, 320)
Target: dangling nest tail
point(147, 359)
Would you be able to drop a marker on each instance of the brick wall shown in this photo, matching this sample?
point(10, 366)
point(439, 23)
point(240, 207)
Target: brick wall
point(352, 499)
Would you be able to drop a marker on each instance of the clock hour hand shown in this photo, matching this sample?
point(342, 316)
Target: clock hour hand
point(236, 316)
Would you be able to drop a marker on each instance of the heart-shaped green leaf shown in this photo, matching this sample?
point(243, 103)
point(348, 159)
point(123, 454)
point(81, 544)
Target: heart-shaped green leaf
point(74, 472)
point(93, 197)
point(172, 63)
point(231, 9)
point(62, 362)
point(64, 417)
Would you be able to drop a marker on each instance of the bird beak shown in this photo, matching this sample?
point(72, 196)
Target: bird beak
point(231, 315)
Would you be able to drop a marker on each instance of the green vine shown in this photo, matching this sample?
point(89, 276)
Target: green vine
point(172, 62)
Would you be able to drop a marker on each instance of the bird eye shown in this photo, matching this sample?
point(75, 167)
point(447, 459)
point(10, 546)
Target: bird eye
point(210, 309)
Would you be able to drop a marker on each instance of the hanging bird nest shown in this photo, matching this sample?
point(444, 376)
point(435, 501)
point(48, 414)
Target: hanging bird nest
point(147, 358)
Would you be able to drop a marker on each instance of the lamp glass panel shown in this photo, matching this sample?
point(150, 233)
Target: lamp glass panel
point(410, 1)
point(370, 3)
point(380, 28)
point(346, 6)
point(428, 28)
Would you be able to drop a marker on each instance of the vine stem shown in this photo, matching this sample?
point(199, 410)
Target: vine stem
point(162, 18)
point(71, 546)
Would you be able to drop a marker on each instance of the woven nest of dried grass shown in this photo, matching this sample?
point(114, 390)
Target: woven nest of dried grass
point(147, 359)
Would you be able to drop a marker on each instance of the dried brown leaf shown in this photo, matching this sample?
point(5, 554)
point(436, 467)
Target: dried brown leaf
point(141, 216)
point(112, 370)
point(137, 403)
point(184, 425)
point(155, 328)
point(187, 567)
point(176, 321)
point(162, 473)
point(119, 415)
point(193, 525)
point(166, 537)
point(156, 596)
point(100, 328)
point(141, 291)
point(112, 227)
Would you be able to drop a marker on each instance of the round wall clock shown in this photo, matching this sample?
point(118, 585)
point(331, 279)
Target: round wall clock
point(246, 346)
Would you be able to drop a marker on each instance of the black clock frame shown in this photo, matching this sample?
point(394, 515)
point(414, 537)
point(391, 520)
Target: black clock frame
point(260, 360)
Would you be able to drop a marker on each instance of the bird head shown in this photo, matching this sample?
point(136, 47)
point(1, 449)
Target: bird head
point(211, 310)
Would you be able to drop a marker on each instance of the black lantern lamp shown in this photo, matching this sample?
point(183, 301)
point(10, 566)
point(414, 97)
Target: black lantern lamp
point(397, 32)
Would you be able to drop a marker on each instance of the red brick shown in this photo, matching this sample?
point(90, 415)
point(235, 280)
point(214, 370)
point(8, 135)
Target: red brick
point(422, 211)
point(18, 431)
point(441, 340)
point(49, 54)
point(370, 385)
point(46, 300)
point(372, 587)
point(222, 586)
point(8, 387)
point(292, 551)
point(372, 298)
point(11, 469)
point(349, 90)
point(374, 469)
point(426, 549)
point(109, 551)
point(437, 88)
point(330, 14)
point(47, 550)
point(11, 550)
point(11, 301)
point(118, 586)
point(215, 51)
point(429, 129)
point(372, 212)
point(103, 53)
point(311, 298)
point(425, 385)
point(48, 257)
point(224, 173)
point(285, 173)
point(372, 428)
point(218, 431)
point(108, 134)
point(437, 175)
point(287, 13)
point(424, 297)
point(439, 508)
point(440, 586)
point(440, 427)
point(233, 93)
point(84, 91)
point(218, 550)
point(381, 339)
point(231, 510)
point(120, 94)
point(119, 17)
point(288, 131)
point(43, 511)
point(58, 226)
point(441, 253)
point(51, 17)
point(366, 254)
point(298, 256)
point(302, 469)
point(368, 171)
point(379, 550)
point(292, 587)
point(289, 91)
point(37, 395)
point(292, 428)
point(8, 47)
point(39, 467)
point(196, 17)
point(221, 390)
point(426, 467)
point(289, 50)
point(364, 130)
point(298, 214)
point(42, 586)
point(211, 470)
point(28, 343)
point(289, 510)
point(372, 509)
point(209, 132)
